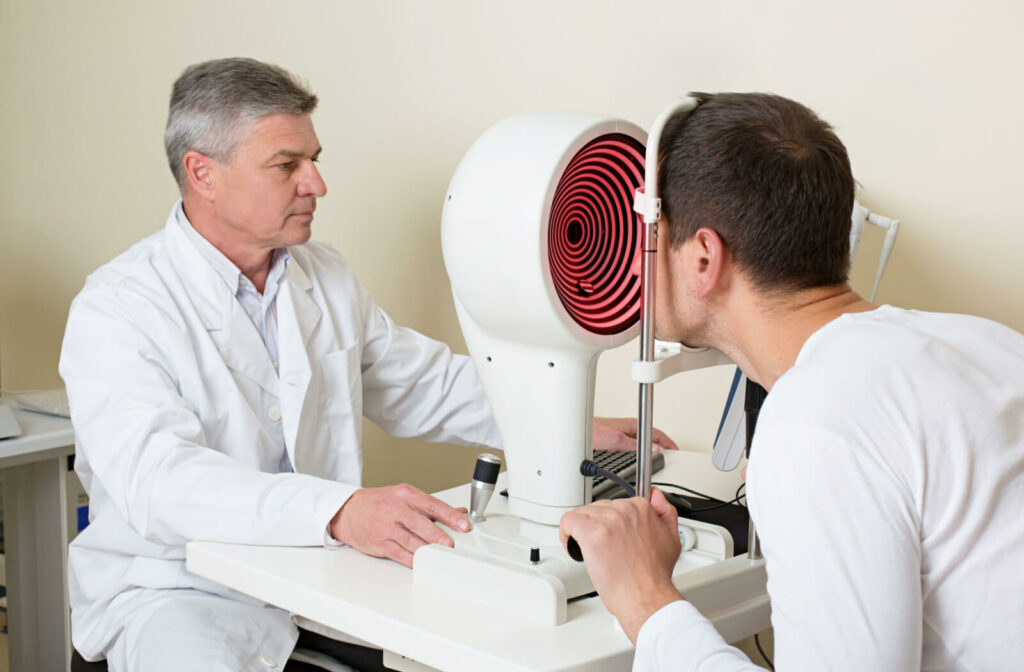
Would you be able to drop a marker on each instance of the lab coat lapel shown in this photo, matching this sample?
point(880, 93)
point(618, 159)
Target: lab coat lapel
point(297, 317)
point(236, 337)
point(242, 349)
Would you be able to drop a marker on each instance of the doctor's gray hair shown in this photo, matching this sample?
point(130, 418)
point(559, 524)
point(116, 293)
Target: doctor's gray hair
point(212, 101)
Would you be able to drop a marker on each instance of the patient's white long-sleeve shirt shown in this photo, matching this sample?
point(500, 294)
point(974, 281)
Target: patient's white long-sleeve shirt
point(887, 483)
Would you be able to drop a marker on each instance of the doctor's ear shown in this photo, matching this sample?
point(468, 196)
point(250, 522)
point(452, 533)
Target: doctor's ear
point(199, 174)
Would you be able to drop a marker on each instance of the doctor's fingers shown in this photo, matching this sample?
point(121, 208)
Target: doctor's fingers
point(434, 509)
point(626, 428)
point(423, 529)
point(402, 543)
point(660, 438)
point(392, 550)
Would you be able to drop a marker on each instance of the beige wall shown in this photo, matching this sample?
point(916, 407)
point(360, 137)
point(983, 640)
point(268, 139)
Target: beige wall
point(926, 96)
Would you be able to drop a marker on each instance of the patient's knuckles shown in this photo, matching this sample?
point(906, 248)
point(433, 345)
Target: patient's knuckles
point(602, 535)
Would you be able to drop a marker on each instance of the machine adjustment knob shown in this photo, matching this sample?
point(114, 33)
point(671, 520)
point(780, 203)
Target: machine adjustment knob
point(687, 537)
point(487, 468)
point(485, 475)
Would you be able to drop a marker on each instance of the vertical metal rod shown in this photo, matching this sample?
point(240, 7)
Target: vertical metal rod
point(645, 423)
point(651, 215)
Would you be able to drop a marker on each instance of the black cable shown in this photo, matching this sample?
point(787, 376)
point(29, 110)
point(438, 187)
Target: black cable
point(738, 496)
point(692, 492)
point(720, 504)
point(717, 506)
point(590, 468)
point(757, 643)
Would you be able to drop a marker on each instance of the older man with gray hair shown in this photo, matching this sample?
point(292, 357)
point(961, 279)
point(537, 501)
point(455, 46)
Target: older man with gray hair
point(218, 373)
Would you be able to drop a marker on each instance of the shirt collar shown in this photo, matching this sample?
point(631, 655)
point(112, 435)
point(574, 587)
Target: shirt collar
point(278, 262)
point(224, 267)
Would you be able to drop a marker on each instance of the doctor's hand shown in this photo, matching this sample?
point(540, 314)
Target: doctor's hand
point(620, 434)
point(392, 522)
point(630, 547)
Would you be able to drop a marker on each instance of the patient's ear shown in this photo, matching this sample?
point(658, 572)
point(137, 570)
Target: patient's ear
point(708, 261)
point(199, 171)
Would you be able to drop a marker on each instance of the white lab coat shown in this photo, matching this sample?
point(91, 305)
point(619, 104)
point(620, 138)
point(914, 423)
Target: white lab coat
point(163, 370)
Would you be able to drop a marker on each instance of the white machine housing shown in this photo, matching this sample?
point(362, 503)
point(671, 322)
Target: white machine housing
point(536, 363)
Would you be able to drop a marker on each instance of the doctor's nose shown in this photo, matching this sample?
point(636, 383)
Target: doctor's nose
point(312, 184)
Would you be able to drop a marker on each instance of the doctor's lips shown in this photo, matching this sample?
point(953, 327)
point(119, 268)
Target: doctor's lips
point(308, 212)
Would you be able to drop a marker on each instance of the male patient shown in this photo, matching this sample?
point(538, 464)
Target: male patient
point(887, 470)
point(218, 373)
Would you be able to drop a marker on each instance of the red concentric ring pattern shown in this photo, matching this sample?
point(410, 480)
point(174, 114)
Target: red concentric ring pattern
point(594, 235)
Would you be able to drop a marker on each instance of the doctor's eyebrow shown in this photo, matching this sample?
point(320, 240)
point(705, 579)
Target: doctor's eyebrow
point(292, 154)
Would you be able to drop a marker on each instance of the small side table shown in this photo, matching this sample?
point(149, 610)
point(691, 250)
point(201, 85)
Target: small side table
point(34, 468)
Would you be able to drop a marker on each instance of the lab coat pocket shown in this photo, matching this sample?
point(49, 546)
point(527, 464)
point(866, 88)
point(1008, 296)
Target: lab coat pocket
point(343, 397)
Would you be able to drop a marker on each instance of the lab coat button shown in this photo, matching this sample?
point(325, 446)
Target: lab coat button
point(269, 662)
point(274, 414)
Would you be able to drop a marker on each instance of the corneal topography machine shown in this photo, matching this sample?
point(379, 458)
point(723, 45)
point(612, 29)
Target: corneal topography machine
point(539, 235)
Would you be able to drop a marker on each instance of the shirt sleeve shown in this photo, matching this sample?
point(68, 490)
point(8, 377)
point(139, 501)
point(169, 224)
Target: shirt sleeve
point(840, 537)
point(677, 638)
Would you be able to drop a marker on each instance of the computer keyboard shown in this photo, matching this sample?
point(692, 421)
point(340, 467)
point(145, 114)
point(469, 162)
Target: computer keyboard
point(619, 462)
point(623, 464)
